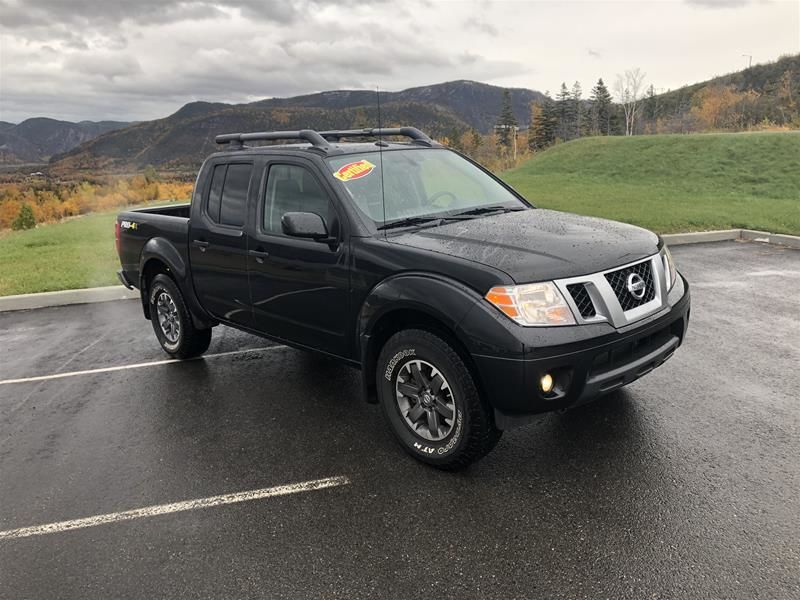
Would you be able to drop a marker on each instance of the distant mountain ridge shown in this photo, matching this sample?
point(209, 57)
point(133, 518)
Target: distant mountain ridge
point(39, 138)
point(184, 138)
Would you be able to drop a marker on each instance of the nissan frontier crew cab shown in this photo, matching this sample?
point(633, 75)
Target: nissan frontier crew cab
point(467, 309)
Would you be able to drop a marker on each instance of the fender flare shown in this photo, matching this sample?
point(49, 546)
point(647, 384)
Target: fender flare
point(440, 298)
point(162, 250)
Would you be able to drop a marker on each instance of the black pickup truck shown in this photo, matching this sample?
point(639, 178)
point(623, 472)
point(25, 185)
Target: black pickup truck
point(467, 310)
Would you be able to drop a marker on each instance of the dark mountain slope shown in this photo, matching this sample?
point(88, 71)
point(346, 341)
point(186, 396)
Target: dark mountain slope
point(178, 141)
point(37, 139)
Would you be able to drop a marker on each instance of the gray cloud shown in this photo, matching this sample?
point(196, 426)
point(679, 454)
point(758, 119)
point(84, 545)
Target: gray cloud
point(108, 65)
point(481, 26)
point(143, 59)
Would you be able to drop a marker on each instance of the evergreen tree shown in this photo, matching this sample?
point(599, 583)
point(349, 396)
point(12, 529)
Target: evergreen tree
point(577, 111)
point(601, 109)
point(477, 139)
point(25, 218)
point(507, 122)
point(544, 120)
point(550, 119)
point(535, 136)
point(454, 137)
point(564, 110)
point(651, 108)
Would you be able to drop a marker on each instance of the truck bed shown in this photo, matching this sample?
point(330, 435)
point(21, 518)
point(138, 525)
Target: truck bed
point(160, 225)
point(171, 210)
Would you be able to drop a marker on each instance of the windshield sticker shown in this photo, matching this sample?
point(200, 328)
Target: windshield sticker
point(354, 170)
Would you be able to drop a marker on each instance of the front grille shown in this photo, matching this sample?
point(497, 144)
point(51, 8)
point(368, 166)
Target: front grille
point(618, 280)
point(582, 300)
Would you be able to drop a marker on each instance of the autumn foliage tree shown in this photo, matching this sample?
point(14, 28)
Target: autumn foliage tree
point(718, 107)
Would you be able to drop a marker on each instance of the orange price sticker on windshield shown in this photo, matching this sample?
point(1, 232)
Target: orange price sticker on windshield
point(354, 170)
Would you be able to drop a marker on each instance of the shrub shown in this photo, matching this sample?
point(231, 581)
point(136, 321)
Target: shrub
point(25, 218)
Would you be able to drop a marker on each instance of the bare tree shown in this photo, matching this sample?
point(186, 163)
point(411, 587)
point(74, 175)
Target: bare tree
point(628, 89)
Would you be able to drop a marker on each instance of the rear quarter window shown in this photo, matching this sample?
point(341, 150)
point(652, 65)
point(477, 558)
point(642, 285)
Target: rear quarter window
point(215, 192)
point(234, 195)
point(227, 194)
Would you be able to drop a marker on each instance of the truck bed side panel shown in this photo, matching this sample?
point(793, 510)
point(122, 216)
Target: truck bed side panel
point(137, 227)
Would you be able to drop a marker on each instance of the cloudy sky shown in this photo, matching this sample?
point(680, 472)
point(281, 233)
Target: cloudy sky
point(143, 59)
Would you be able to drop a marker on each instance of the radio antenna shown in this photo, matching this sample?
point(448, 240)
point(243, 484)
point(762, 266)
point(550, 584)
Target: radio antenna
point(380, 154)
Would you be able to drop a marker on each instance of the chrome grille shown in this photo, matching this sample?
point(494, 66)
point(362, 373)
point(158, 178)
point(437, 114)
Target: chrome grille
point(582, 300)
point(618, 280)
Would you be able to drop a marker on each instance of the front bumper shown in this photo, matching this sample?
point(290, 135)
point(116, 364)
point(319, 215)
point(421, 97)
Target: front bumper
point(585, 361)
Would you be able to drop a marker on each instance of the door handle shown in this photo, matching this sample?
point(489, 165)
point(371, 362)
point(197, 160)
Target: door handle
point(259, 255)
point(202, 244)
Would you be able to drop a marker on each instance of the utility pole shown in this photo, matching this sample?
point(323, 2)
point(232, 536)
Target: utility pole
point(750, 58)
point(514, 129)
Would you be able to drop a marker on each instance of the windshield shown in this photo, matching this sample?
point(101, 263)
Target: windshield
point(417, 183)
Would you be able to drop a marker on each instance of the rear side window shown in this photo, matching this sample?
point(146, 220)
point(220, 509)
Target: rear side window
point(227, 196)
point(234, 195)
point(215, 193)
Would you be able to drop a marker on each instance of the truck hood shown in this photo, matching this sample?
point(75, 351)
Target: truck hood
point(537, 244)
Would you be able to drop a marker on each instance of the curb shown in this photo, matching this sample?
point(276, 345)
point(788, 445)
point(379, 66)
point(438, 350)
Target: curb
point(65, 297)
point(701, 237)
point(118, 292)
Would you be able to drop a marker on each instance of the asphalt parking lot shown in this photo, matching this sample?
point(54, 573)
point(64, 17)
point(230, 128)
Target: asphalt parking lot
point(684, 485)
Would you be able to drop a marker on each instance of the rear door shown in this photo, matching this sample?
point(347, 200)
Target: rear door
point(299, 287)
point(218, 244)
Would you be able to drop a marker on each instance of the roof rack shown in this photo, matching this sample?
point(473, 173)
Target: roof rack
point(236, 140)
point(415, 134)
point(321, 140)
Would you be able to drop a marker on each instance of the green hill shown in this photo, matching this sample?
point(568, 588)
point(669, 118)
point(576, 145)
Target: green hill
point(672, 183)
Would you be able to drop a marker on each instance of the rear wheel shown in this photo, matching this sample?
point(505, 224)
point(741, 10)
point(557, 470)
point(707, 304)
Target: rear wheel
point(431, 401)
point(172, 323)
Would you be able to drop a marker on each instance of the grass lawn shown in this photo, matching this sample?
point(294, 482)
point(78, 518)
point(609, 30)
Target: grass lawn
point(77, 253)
point(672, 183)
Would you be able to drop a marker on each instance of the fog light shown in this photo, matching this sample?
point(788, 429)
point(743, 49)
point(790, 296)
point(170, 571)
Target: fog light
point(546, 383)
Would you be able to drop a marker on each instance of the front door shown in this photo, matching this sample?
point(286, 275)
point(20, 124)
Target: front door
point(299, 287)
point(218, 244)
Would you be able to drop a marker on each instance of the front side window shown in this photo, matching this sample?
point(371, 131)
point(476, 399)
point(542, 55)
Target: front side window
point(292, 188)
point(227, 195)
point(416, 183)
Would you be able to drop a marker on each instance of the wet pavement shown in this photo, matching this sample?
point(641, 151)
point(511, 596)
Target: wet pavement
point(684, 485)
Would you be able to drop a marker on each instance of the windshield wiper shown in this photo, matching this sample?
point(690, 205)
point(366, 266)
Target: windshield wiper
point(409, 222)
point(442, 219)
point(482, 210)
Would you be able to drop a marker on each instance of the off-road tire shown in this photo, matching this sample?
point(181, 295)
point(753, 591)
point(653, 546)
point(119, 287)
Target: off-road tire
point(190, 341)
point(472, 432)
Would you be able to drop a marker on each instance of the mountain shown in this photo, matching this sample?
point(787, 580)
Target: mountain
point(184, 138)
point(477, 104)
point(762, 94)
point(37, 139)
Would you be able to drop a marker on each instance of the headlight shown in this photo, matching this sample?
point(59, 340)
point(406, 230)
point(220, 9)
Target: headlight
point(669, 267)
point(532, 304)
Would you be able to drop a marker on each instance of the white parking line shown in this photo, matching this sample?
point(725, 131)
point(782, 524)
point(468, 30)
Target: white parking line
point(154, 363)
point(164, 509)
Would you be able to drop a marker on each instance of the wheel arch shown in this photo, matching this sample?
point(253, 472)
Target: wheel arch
point(413, 301)
point(159, 256)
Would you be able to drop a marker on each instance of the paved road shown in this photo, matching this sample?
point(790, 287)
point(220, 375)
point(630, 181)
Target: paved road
point(685, 485)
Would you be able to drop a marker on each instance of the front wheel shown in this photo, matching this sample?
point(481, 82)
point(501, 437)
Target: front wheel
point(431, 401)
point(172, 322)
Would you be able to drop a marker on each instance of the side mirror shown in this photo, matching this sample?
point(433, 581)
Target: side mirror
point(305, 225)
